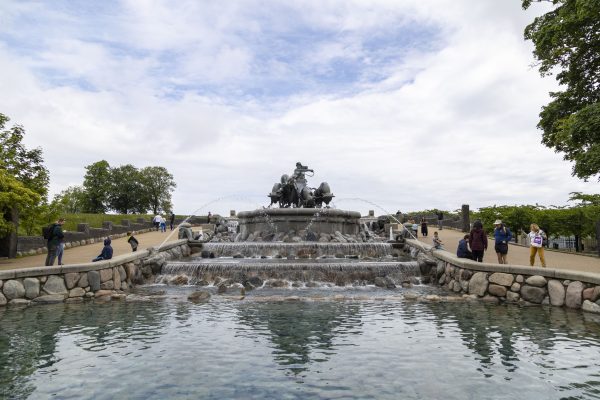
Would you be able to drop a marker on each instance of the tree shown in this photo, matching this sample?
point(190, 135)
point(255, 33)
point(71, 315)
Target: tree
point(72, 200)
point(26, 166)
point(567, 40)
point(96, 184)
point(158, 184)
point(13, 195)
point(126, 190)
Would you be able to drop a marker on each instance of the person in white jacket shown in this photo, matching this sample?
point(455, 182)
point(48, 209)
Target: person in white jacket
point(536, 238)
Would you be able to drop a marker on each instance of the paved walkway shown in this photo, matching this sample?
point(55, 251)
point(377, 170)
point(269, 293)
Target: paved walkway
point(519, 255)
point(84, 254)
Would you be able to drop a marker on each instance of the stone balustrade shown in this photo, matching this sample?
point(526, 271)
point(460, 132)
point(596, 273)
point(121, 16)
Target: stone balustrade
point(74, 283)
point(507, 283)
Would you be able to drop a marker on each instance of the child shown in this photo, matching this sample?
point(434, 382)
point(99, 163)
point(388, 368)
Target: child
point(107, 251)
point(437, 242)
point(133, 242)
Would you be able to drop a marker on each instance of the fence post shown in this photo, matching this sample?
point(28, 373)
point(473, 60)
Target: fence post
point(466, 218)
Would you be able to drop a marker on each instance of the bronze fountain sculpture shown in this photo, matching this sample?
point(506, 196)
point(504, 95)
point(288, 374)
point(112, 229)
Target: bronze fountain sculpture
point(294, 192)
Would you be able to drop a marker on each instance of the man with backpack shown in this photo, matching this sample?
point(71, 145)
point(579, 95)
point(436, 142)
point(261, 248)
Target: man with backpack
point(54, 235)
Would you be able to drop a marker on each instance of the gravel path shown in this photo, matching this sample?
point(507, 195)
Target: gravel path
point(84, 254)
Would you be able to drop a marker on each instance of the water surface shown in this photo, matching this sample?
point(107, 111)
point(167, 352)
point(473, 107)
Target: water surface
point(328, 343)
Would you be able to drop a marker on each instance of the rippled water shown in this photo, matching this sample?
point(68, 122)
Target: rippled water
point(360, 344)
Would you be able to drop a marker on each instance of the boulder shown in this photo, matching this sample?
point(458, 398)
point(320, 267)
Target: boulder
point(116, 278)
point(478, 284)
point(19, 302)
point(590, 307)
point(32, 287)
point(533, 294)
point(77, 292)
point(500, 278)
point(556, 291)
point(380, 282)
point(536, 280)
point(515, 287)
point(94, 280)
point(71, 279)
point(497, 290)
point(49, 299)
point(102, 293)
point(55, 285)
point(13, 289)
point(108, 285)
point(255, 281)
point(179, 280)
point(519, 279)
point(512, 297)
point(106, 274)
point(199, 296)
point(83, 281)
point(588, 293)
point(573, 297)
point(3, 300)
point(122, 273)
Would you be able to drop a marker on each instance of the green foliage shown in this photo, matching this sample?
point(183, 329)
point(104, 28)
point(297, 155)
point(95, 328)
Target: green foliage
point(126, 192)
point(27, 166)
point(567, 40)
point(13, 194)
point(72, 200)
point(96, 184)
point(158, 184)
point(32, 219)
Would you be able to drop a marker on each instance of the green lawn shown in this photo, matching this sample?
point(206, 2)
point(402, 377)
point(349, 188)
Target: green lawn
point(96, 220)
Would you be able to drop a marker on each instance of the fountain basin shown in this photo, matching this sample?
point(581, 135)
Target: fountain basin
point(318, 220)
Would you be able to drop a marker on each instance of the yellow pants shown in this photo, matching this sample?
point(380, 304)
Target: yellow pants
point(540, 251)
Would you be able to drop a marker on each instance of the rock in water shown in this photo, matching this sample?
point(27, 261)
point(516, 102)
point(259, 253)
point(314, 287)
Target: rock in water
point(199, 297)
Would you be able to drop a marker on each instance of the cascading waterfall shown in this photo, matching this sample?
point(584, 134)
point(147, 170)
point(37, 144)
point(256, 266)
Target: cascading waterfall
point(302, 249)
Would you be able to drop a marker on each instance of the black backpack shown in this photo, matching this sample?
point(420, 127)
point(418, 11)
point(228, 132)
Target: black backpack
point(47, 231)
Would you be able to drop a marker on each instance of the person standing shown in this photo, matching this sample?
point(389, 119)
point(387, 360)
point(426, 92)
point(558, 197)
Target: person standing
point(208, 217)
point(478, 241)
point(133, 242)
point(156, 221)
point(424, 231)
point(163, 224)
point(55, 236)
point(172, 220)
point(536, 239)
point(440, 217)
point(502, 236)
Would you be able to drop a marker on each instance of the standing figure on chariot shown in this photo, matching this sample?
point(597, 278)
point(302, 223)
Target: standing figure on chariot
point(298, 178)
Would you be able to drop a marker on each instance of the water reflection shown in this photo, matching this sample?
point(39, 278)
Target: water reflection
point(302, 332)
point(29, 338)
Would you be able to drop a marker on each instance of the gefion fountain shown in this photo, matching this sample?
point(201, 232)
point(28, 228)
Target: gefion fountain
point(300, 243)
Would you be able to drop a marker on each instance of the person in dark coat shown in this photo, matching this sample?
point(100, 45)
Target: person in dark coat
point(172, 220)
point(463, 248)
point(55, 237)
point(478, 241)
point(107, 251)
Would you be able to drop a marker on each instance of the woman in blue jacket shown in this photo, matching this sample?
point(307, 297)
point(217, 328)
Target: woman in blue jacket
point(502, 236)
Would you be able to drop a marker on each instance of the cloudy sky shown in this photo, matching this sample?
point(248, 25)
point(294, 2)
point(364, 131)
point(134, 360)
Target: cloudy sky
point(406, 104)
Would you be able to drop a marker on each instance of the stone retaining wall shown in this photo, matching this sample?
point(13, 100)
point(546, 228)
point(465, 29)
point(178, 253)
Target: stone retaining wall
point(74, 283)
point(507, 283)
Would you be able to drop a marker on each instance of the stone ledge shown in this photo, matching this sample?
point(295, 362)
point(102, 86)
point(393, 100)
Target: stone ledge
point(554, 273)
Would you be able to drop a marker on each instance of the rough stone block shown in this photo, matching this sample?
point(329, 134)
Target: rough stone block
point(590, 307)
point(536, 280)
point(478, 284)
point(101, 293)
point(512, 297)
point(3, 300)
point(49, 298)
point(573, 298)
point(116, 278)
point(122, 273)
point(83, 281)
point(13, 289)
point(515, 287)
point(519, 279)
point(77, 292)
point(497, 290)
point(556, 291)
point(533, 294)
point(32, 287)
point(55, 285)
point(94, 280)
point(108, 285)
point(503, 279)
point(588, 293)
point(106, 274)
point(71, 279)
